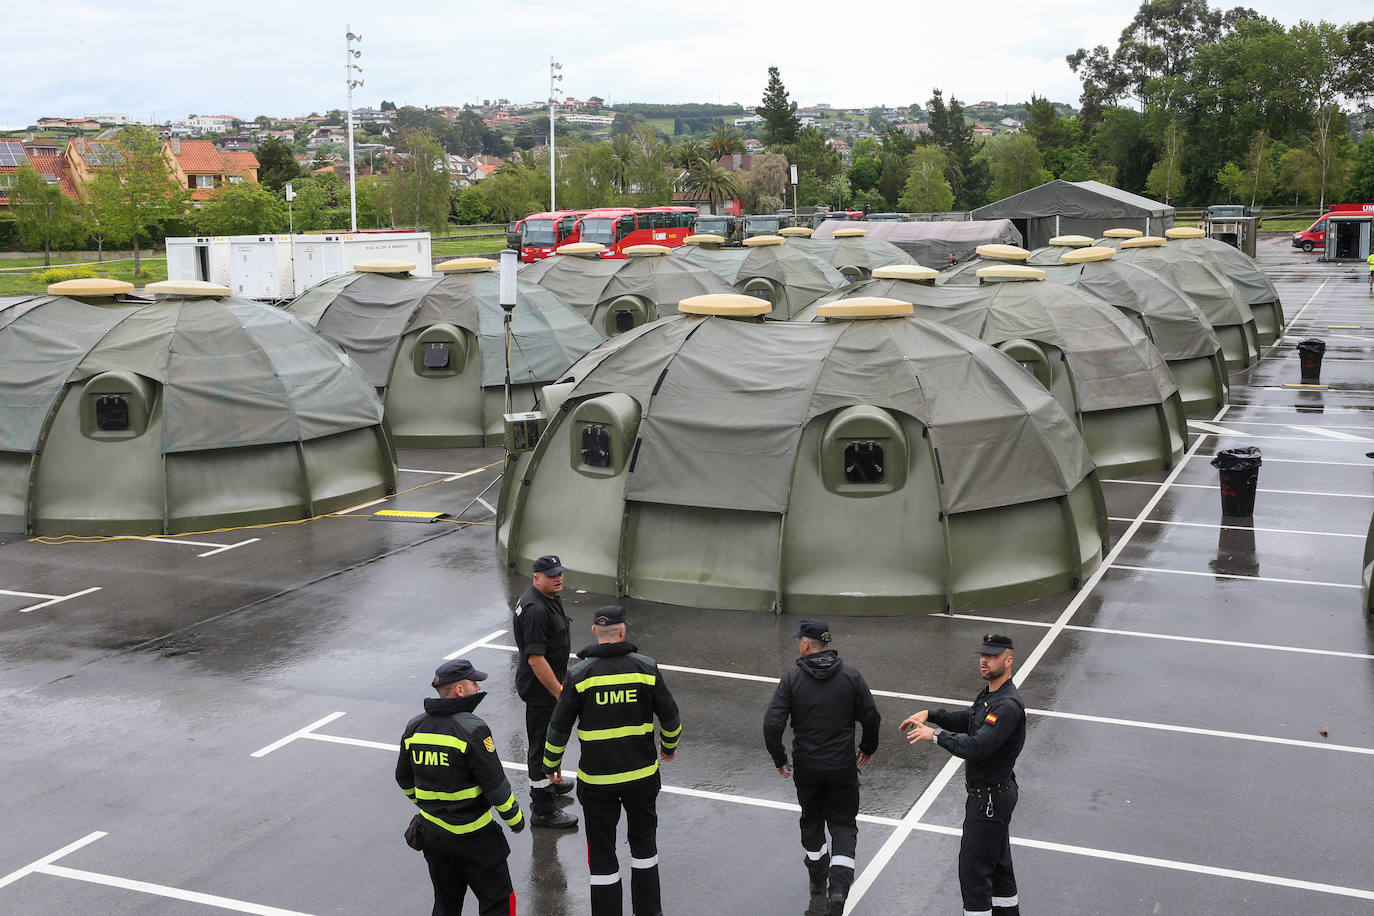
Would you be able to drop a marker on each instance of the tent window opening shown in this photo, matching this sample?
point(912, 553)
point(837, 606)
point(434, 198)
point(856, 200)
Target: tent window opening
point(624, 320)
point(112, 413)
point(596, 446)
point(436, 356)
point(863, 462)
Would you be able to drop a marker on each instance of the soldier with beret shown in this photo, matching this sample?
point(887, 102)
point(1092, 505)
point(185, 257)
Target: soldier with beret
point(824, 697)
point(989, 737)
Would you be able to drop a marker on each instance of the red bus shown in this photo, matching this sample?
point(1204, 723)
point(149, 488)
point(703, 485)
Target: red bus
point(542, 233)
point(620, 228)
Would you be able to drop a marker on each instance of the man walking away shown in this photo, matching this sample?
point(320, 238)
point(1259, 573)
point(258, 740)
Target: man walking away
point(992, 734)
point(612, 696)
point(824, 697)
point(449, 767)
point(543, 636)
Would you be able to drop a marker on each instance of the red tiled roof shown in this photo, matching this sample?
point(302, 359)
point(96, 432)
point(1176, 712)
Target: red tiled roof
point(239, 161)
point(55, 166)
point(201, 157)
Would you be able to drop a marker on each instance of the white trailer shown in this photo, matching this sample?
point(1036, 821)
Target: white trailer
point(281, 267)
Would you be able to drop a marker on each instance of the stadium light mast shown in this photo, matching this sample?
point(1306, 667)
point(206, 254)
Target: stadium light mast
point(350, 53)
point(554, 79)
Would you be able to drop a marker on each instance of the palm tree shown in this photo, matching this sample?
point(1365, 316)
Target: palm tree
point(725, 140)
point(622, 153)
point(711, 181)
point(686, 153)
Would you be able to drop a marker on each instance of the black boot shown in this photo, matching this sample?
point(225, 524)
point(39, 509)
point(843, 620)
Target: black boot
point(816, 870)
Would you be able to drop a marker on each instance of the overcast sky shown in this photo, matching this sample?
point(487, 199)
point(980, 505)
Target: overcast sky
point(155, 59)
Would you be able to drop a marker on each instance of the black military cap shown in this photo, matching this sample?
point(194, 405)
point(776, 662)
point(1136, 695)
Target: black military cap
point(994, 644)
point(609, 616)
point(549, 566)
point(813, 628)
point(455, 670)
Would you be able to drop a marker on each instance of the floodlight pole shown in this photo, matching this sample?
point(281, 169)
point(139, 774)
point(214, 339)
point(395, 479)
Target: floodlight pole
point(508, 263)
point(349, 54)
point(554, 78)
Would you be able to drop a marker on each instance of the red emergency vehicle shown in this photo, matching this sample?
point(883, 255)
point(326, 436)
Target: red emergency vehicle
point(1314, 236)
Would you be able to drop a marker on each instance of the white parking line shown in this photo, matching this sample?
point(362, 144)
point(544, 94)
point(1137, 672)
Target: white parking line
point(1219, 430)
point(263, 752)
point(219, 548)
point(366, 505)
point(473, 645)
point(1333, 433)
point(1215, 527)
point(1217, 575)
point(51, 857)
point(421, 471)
point(1207, 486)
point(51, 599)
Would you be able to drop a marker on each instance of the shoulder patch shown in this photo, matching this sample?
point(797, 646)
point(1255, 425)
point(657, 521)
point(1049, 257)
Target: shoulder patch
point(489, 744)
point(990, 720)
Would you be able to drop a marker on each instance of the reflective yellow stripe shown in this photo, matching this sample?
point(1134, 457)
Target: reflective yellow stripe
point(470, 826)
point(602, 680)
point(435, 739)
point(551, 764)
point(672, 733)
point(610, 779)
point(624, 731)
point(461, 794)
point(504, 807)
point(519, 816)
point(555, 750)
point(410, 792)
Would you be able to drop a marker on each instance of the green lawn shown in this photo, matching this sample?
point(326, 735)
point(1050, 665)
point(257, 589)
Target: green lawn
point(466, 249)
point(23, 282)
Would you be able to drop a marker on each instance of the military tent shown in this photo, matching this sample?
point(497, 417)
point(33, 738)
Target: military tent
point(1077, 207)
point(933, 244)
point(193, 410)
point(851, 252)
point(789, 278)
point(1242, 270)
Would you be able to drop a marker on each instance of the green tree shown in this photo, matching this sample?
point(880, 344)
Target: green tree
point(241, 209)
point(44, 217)
point(864, 172)
point(1299, 173)
point(1330, 144)
point(967, 173)
point(470, 206)
point(725, 139)
point(712, 182)
point(138, 192)
point(686, 154)
point(812, 154)
point(767, 178)
point(276, 164)
point(892, 176)
point(519, 187)
point(1362, 170)
point(620, 156)
point(780, 121)
point(927, 190)
point(1017, 165)
point(1166, 181)
point(838, 193)
point(1235, 182)
point(1044, 123)
point(417, 188)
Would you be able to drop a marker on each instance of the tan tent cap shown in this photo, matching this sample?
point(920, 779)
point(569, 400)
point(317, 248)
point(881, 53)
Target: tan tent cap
point(1071, 241)
point(466, 265)
point(850, 233)
point(1184, 232)
point(1010, 272)
point(1122, 234)
point(761, 241)
point(905, 272)
point(90, 286)
point(1144, 241)
point(732, 305)
point(647, 251)
point(1003, 252)
point(581, 249)
point(1083, 255)
point(865, 307)
point(704, 238)
point(794, 230)
point(384, 266)
point(187, 288)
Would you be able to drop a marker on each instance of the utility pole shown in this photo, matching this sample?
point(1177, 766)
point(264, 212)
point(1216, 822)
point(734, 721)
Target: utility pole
point(349, 54)
point(554, 79)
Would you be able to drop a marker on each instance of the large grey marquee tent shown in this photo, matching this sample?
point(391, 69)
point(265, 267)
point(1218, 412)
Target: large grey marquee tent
point(1077, 207)
point(851, 466)
point(936, 243)
point(190, 411)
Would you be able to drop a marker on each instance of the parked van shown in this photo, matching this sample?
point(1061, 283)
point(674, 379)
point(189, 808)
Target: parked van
point(1314, 236)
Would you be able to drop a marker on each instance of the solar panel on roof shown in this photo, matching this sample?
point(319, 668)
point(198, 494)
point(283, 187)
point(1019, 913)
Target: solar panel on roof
point(12, 155)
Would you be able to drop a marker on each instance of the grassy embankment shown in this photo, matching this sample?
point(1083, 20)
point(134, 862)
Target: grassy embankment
point(27, 282)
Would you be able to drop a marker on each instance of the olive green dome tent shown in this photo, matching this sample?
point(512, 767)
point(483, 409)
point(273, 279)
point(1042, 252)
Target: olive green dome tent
point(1220, 300)
point(194, 410)
point(850, 466)
point(1175, 324)
point(1242, 270)
point(965, 273)
point(434, 346)
point(1096, 362)
point(787, 277)
point(852, 252)
point(616, 295)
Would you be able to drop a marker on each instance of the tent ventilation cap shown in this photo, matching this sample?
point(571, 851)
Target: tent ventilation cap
point(90, 286)
point(1003, 252)
point(865, 307)
point(732, 305)
point(763, 241)
point(914, 272)
point(1122, 233)
point(1071, 241)
point(384, 266)
point(187, 288)
point(1010, 272)
point(705, 238)
point(1144, 241)
point(795, 230)
point(850, 233)
point(582, 249)
point(648, 251)
point(466, 265)
point(1184, 232)
point(1084, 255)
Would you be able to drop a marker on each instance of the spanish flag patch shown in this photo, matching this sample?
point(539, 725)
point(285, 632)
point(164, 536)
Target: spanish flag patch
point(489, 744)
point(991, 719)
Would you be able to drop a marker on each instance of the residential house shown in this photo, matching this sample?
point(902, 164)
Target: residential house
point(85, 157)
point(915, 130)
point(201, 168)
point(236, 144)
point(45, 158)
point(984, 132)
point(118, 119)
point(219, 124)
point(1010, 123)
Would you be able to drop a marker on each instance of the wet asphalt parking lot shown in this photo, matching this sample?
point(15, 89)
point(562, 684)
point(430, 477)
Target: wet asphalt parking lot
point(208, 723)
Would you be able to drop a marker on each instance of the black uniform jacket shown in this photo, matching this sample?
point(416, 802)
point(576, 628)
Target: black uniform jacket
point(994, 730)
point(825, 697)
point(612, 696)
point(450, 769)
point(541, 628)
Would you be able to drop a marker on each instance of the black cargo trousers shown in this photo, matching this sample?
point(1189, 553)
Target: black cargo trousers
point(601, 806)
point(474, 861)
point(986, 878)
point(829, 799)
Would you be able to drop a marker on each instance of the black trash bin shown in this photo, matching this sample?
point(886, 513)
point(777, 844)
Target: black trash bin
point(1310, 356)
point(1239, 469)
